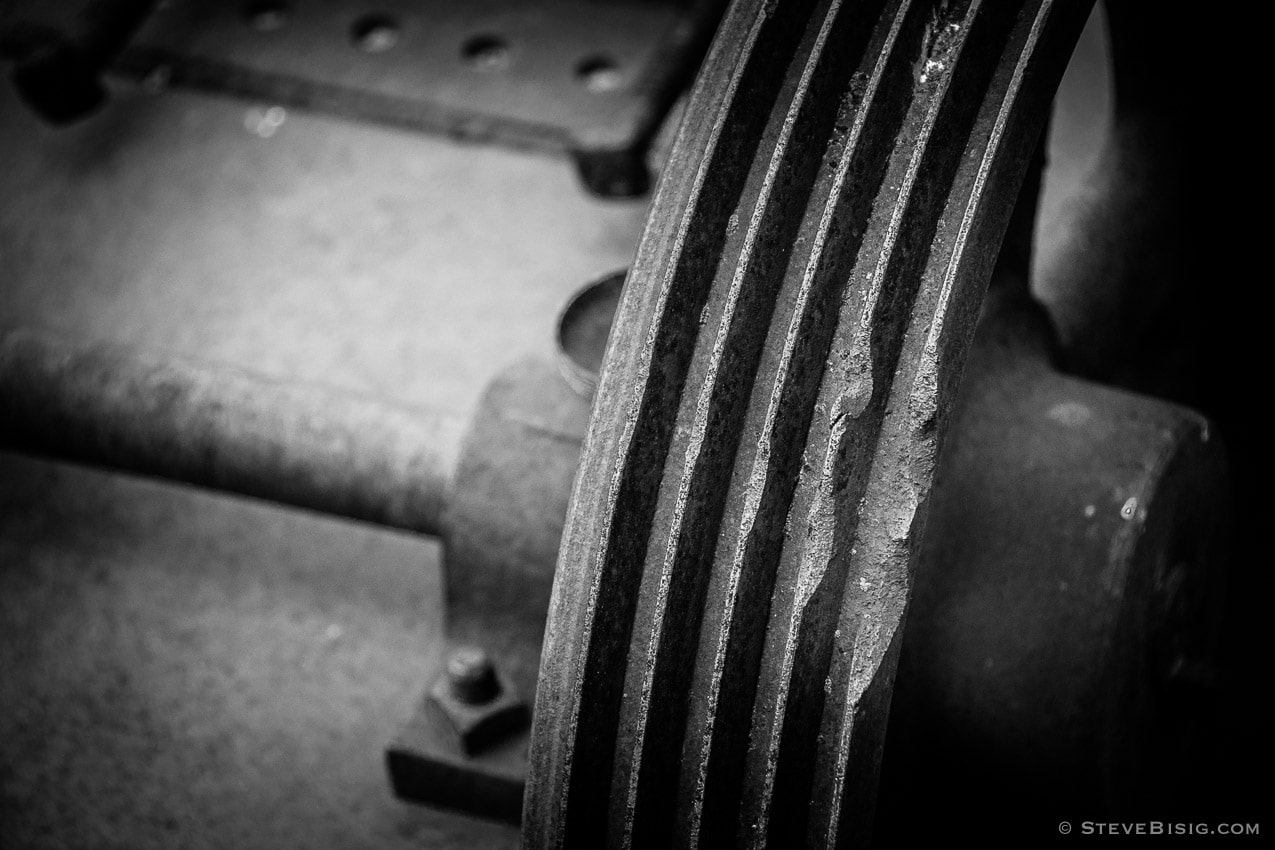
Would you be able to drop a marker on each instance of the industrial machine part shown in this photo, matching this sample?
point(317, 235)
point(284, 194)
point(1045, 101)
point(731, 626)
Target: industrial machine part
point(1062, 639)
point(768, 437)
point(1027, 654)
point(735, 570)
point(225, 429)
point(1024, 653)
point(1020, 649)
point(614, 70)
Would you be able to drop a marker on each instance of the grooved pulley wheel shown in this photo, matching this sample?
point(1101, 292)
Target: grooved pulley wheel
point(735, 570)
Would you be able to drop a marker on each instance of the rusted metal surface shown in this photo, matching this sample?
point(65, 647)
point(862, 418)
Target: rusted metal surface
point(592, 79)
point(215, 427)
point(730, 592)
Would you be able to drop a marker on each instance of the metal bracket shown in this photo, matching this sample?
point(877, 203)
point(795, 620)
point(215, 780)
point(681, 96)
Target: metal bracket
point(592, 79)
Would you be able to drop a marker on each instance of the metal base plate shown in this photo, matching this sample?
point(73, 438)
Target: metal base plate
point(594, 79)
point(427, 765)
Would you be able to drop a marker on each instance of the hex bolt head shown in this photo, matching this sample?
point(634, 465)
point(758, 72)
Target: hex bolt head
point(471, 676)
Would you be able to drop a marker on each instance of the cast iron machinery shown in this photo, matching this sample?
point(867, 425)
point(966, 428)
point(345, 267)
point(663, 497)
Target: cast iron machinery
point(819, 467)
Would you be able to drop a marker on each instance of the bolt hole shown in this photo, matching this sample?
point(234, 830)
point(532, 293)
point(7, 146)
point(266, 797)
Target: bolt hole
point(374, 33)
point(266, 15)
point(486, 53)
point(599, 74)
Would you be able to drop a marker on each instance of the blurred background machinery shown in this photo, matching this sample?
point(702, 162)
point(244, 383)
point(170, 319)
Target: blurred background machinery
point(363, 262)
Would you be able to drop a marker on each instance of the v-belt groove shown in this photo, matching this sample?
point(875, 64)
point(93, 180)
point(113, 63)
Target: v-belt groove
point(592, 706)
point(696, 476)
point(766, 470)
point(797, 316)
point(845, 440)
point(903, 469)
